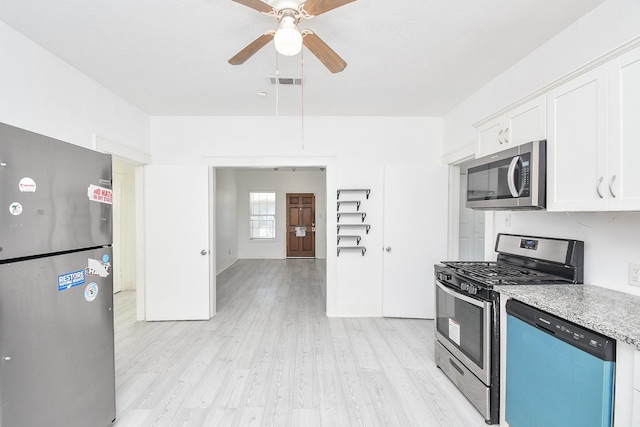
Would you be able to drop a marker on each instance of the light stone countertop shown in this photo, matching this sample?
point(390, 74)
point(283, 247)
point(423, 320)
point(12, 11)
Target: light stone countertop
point(611, 313)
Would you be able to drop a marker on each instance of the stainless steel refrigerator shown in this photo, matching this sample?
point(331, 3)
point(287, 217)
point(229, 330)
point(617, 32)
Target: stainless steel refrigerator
point(56, 292)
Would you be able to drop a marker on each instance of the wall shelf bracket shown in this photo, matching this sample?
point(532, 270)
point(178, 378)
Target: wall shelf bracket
point(362, 214)
point(350, 236)
point(362, 249)
point(367, 226)
point(366, 191)
point(357, 203)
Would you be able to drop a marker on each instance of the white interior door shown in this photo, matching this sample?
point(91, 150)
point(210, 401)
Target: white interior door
point(415, 237)
point(178, 283)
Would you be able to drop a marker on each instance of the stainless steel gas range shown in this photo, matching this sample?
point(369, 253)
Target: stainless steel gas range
point(467, 347)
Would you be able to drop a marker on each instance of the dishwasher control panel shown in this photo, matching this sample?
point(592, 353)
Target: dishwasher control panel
point(587, 340)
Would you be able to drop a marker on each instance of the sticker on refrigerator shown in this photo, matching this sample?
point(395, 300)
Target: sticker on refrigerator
point(97, 268)
point(15, 208)
point(454, 331)
point(69, 280)
point(100, 194)
point(27, 185)
point(91, 291)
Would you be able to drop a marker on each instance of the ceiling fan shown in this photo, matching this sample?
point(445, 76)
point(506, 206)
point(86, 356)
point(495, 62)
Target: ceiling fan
point(288, 38)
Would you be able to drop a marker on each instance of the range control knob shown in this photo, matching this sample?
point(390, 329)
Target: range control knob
point(443, 276)
point(472, 289)
point(464, 286)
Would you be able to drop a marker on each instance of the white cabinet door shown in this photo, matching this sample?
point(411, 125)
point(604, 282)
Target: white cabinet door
point(635, 420)
point(527, 122)
point(576, 144)
point(623, 179)
point(636, 370)
point(415, 234)
point(490, 137)
point(518, 126)
point(178, 283)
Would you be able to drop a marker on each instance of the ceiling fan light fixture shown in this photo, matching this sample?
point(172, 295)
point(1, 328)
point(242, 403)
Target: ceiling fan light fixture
point(288, 39)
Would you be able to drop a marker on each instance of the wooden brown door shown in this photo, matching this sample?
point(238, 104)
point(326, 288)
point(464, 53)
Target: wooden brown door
point(301, 225)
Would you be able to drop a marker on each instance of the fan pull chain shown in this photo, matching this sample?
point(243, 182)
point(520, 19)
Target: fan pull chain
point(277, 82)
point(302, 100)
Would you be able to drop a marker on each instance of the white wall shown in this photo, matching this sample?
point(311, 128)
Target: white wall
point(41, 93)
point(606, 27)
point(610, 238)
point(354, 149)
point(226, 198)
point(282, 182)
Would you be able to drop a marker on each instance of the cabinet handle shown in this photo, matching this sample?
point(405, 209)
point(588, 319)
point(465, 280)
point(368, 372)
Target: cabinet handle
point(499, 136)
point(613, 178)
point(598, 186)
point(506, 140)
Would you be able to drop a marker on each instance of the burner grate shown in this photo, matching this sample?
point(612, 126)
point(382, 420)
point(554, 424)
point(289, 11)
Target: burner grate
point(494, 272)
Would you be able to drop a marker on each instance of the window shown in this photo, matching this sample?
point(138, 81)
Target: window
point(262, 214)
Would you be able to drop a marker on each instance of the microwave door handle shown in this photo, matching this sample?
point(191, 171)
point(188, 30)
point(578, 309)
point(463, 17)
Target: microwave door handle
point(511, 177)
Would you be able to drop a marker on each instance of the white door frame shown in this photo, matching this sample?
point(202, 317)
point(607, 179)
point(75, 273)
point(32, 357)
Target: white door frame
point(125, 152)
point(117, 186)
point(454, 160)
point(331, 187)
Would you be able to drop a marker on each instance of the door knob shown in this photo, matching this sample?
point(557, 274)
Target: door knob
point(388, 249)
point(204, 252)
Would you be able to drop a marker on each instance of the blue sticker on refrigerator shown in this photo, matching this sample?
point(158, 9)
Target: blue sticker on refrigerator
point(69, 280)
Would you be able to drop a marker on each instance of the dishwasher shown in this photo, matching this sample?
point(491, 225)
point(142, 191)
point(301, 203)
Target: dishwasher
point(558, 373)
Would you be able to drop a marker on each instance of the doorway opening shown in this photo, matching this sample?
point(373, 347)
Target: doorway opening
point(471, 226)
point(124, 225)
point(467, 227)
point(236, 178)
point(127, 165)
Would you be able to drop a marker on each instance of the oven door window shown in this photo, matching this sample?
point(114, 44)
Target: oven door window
point(462, 323)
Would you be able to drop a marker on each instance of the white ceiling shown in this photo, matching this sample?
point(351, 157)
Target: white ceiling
point(405, 58)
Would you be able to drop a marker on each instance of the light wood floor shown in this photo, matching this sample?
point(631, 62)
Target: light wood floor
point(271, 357)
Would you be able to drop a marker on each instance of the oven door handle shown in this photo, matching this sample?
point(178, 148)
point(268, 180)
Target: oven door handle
point(481, 304)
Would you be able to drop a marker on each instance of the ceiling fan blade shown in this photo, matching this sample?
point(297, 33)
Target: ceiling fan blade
point(251, 49)
point(316, 7)
point(323, 52)
point(256, 5)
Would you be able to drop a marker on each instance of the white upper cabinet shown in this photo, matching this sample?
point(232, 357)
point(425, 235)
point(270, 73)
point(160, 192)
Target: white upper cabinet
point(594, 139)
point(624, 132)
point(576, 144)
point(522, 124)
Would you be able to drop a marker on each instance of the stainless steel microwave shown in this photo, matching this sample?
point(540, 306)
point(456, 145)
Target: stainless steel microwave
point(513, 179)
